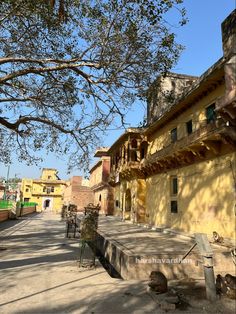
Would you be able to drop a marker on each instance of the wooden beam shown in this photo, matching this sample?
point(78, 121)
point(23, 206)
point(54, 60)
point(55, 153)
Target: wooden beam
point(213, 146)
point(226, 139)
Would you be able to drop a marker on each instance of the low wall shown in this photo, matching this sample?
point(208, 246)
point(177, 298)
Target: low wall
point(28, 210)
point(4, 214)
point(132, 266)
point(135, 252)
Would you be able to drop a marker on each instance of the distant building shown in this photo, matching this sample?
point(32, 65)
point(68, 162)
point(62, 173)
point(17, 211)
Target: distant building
point(11, 190)
point(78, 192)
point(2, 189)
point(47, 191)
point(99, 177)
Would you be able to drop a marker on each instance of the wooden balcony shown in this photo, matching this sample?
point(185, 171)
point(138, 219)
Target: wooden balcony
point(131, 170)
point(207, 139)
point(128, 170)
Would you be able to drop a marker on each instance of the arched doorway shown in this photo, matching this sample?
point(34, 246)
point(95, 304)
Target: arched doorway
point(127, 213)
point(46, 204)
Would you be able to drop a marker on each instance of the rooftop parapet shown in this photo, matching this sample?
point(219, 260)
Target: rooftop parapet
point(228, 29)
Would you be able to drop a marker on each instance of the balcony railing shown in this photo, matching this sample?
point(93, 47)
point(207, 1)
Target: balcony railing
point(56, 193)
point(204, 136)
point(124, 166)
point(205, 130)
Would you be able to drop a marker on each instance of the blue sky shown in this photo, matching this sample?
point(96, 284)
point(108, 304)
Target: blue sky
point(202, 40)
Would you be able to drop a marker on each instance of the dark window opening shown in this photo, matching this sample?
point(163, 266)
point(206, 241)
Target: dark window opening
point(117, 203)
point(210, 113)
point(189, 127)
point(134, 143)
point(174, 207)
point(117, 158)
point(46, 204)
point(49, 177)
point(44, 189)
point(27, 190)
point(26, 200)
point(52, 189)
point(143, 153)
point(128, 154)
point(134, 156)
point(174, 186)
point(173, 134)
point(143, 150)
point(100, 198)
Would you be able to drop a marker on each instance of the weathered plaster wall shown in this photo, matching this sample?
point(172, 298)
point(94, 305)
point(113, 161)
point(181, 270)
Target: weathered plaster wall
point(136, 189)
point(206, 197)
point(164, 92)
point(196, 113)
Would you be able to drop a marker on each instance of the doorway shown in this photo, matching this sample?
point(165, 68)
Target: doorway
point(46, 204)
point(127, 205)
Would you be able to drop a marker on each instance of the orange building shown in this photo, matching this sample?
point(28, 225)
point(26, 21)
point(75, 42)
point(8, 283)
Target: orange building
point(99, 176)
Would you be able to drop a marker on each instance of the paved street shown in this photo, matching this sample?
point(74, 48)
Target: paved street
point(39, 273)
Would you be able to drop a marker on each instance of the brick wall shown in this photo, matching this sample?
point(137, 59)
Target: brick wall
point(78, 194)
point(81, 197)
point(106, 170)
point(28, 210)
point(4, 215)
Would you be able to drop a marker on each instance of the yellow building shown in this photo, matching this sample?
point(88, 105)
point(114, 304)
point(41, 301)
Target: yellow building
point(180, 171)
point(47, 191)
point(126, 178)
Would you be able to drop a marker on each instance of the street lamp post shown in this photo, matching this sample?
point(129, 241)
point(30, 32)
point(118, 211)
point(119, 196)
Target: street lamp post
point(6, 184)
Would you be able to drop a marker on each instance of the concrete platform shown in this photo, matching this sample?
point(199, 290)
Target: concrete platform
point(135, 251)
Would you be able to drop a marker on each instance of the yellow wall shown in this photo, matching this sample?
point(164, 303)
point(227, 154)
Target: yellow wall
point(206, 197)
point(137, 189)
point(56, 202)
point(117, 201)
point(49, 174)
point(101, 197)
point(196, 113)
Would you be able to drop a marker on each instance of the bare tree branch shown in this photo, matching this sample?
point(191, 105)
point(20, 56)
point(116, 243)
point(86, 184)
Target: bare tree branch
point(71, 68)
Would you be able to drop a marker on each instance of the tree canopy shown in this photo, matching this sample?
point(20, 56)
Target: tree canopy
point(68, 68)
